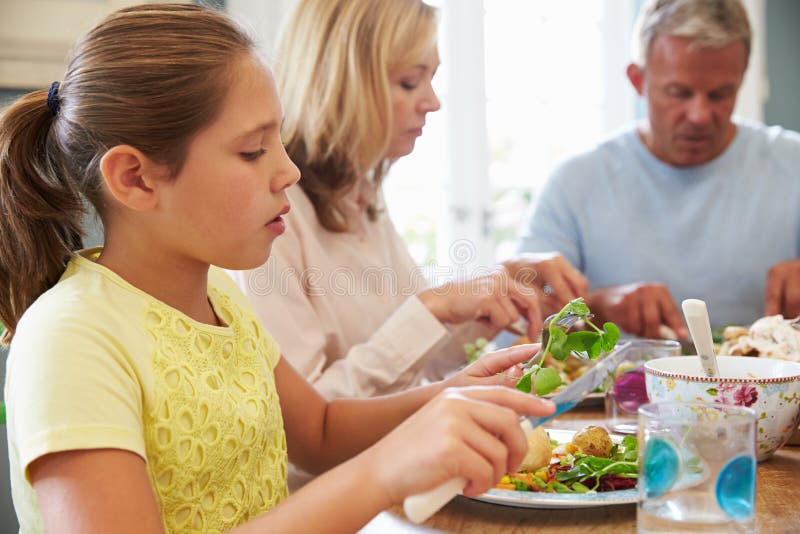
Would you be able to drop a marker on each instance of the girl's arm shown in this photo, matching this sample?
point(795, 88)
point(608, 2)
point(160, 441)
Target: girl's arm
point(471, 432)
point(321, 434)
point(95, 490)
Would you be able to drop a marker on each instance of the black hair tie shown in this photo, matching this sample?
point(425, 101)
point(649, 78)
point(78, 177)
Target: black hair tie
point(53, 103)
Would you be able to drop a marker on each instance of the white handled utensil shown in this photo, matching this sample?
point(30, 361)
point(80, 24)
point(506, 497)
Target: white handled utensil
point(420, 507)
point(696, 315)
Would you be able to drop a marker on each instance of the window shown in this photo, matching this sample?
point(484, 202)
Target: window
point(553, 83)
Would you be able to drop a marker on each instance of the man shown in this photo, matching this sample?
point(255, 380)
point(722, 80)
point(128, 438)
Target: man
point(689, 203)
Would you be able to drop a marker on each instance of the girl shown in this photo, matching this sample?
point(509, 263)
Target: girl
point(143, 395)
point(341, 291)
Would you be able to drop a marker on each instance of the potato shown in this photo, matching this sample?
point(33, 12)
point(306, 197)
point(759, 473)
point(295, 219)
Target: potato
point(540, 451)
point(594, 441)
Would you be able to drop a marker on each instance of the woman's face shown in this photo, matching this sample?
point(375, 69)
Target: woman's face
point(412, 98)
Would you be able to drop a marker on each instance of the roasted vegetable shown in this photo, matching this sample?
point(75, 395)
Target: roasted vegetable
point(593, 441)
point(540, 451)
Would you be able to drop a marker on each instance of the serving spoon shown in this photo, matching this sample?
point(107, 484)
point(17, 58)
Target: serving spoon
point(696, 314)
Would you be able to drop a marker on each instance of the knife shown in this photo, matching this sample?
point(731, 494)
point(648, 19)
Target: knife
point(420, 507)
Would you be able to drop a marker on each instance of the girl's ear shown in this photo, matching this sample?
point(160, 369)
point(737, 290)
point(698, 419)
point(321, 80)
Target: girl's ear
point(131, 177)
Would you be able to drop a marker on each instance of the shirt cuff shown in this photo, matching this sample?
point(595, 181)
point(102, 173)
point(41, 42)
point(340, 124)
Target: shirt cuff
point(410, 333)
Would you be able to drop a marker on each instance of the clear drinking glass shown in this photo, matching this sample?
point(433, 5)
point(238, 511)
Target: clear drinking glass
point(625, 389)
point(697, 467)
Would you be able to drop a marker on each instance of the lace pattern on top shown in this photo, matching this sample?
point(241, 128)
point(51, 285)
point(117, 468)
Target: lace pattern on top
point(216, 449)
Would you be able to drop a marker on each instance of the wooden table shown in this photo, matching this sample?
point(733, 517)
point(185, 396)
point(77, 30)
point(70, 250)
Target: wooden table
point(777, 503)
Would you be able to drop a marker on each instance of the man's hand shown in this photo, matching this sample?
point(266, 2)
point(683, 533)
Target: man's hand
point(639, 308)
point(783, 289)
point(552, 274)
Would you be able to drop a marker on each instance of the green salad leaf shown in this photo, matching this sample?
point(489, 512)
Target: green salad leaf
point(586, 344)
point(589, 469)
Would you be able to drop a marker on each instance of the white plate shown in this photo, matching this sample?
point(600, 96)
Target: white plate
point(535, 499)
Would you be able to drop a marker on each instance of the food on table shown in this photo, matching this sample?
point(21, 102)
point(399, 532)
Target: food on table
point(540, 450)
point(572, 470)
point(593, 441)
point(769, 337)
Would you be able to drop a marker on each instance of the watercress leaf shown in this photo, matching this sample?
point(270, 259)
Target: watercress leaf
point(481, 342)
point(577, 307)
point(630, 443)
point(557, 343)
point(524, 383)
point(596, 348)
point(610, 336)
point(547, 379)
point(581, 341)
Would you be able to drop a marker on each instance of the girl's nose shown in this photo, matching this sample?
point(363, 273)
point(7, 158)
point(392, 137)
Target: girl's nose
point(288, 174)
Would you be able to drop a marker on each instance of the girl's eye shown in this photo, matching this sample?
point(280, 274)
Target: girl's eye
point(408, 86)
point(252, 156)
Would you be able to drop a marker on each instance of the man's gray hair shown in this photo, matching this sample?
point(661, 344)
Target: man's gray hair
point(706, 23)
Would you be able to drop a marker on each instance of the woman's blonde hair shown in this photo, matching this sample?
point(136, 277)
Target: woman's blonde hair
point(707, 23)
point(332, 69)
point(151, 77)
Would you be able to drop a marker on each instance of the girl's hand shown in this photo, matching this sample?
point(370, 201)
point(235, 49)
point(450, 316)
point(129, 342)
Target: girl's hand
point(469, 432)
point(496, 299)
point(500, 368)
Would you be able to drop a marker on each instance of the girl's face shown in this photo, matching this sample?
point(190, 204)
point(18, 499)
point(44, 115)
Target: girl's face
point(226, 203)
point(412, 98)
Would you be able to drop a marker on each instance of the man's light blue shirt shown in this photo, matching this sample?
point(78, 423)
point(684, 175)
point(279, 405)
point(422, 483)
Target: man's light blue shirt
point(711, 231)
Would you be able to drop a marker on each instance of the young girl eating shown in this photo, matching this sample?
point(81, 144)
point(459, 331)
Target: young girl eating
point(143, 394)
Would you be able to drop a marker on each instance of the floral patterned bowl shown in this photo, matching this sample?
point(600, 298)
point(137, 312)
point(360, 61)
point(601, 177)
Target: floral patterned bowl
point(769, 387)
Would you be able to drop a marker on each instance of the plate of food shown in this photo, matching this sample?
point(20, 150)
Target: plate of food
point(570, 370)
point(569, 469)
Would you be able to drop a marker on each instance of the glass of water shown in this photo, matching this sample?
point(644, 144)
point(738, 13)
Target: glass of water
point(625, 389)
point(697, 468)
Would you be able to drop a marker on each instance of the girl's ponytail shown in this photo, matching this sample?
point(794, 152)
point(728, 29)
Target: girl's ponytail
point(41, 207)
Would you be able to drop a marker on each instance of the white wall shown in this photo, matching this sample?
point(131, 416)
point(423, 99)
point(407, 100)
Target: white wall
point(36, 36)
point(264, 17)
point(755, 89)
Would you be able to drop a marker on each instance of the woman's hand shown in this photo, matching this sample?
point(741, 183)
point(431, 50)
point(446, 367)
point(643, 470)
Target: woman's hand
point(550, 273)
point(500, 368)
point(495, 299)
point(469, 432)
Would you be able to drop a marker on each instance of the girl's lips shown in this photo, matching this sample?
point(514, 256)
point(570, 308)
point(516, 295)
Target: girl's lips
point(277, 225)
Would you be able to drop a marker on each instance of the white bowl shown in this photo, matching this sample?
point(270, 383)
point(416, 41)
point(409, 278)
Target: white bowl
point(770, 387)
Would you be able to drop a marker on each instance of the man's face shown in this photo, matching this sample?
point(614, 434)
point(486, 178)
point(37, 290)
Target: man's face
point(690, 93)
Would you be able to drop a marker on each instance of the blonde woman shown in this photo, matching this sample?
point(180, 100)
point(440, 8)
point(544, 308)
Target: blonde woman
point(341, 292)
